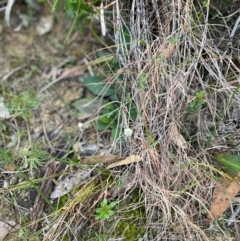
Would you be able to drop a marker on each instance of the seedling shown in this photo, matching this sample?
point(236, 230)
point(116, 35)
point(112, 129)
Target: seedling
point(105, 211)
point(22, 104)
point(196, 104)
point(34, 157)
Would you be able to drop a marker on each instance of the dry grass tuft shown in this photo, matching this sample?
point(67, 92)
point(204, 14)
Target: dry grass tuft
point(180, 69)
point(176, 51)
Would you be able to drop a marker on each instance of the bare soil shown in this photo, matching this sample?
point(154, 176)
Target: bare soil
point(32, 62)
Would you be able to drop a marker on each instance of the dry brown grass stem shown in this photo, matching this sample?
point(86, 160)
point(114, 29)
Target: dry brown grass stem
point(175, 53)
point(169, 52)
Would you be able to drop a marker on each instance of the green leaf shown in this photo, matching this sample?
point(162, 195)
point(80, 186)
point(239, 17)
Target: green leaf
point(110, 213)
point(104, 119)
point(97, 86)
point(105, 216)
point(89, 104)
point(102, 126)
point(109, 106)
point(112, 204)
point(98, 210)
point(98, 217)
point(230, 163)
point(196, 104)
point(62, 201)
point(105, 212)
point(133, 112)
point(104, 202)
point(116, 132)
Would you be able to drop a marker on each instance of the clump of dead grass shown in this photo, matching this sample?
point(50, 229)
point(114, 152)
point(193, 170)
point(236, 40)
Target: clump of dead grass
point(174, 53)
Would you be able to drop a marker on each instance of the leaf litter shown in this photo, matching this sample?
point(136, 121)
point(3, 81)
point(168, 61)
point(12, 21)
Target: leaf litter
point(66, 183)
point(228, 187)
point(4, 111)
point(167, 51)
point(126, 161)
point(55, 113)
point(224, 192)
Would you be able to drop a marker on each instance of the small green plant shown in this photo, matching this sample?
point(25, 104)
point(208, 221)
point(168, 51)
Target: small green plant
point(109, 113)
point(6, 157)
point(23, 103)
point(196, 104)
point(33, 69)
point(101, 237)
point(109, 117)
point(98, 86)
point(105, 211)
point(109, 120)
point(79, 10)
point(34, 157)
point(24, 234)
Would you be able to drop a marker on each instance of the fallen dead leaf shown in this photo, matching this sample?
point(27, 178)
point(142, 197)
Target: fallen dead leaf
point(5, 228)
point(67, 184)
point(222, 196)
point(168, 51)
point(4, 112)
point(102, 159)
point(85, 149)
point(177, 138)
point(128, 160)
point(10, 168)
point(44, 25)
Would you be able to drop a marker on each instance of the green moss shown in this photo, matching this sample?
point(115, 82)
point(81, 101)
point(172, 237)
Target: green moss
point(131, 226)
point(128, 221)
point(131, 223)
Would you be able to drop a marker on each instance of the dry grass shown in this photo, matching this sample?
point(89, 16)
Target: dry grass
point(175, 53)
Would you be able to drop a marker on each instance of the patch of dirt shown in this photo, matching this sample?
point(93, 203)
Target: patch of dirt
point(29, 61)
point(48, 55)
point(25, 46)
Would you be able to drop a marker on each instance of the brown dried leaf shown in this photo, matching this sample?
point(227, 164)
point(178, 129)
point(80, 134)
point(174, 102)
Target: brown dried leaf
point(68, 183)
point(102, 159)
point(6, 227)
point(177, 138)
point(168, 51)
point(10, 168)
point(222, 196)
point(128, 160)
point(44, 25)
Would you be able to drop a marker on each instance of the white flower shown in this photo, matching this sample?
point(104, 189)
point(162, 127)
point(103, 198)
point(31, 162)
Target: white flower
point(128, 132)
point(80, 125)
point(5, 184)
